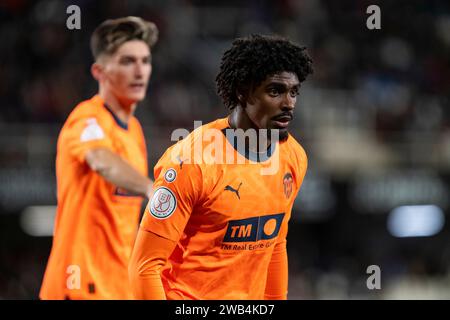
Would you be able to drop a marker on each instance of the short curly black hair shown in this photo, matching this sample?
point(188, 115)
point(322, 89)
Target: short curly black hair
point(252, 59)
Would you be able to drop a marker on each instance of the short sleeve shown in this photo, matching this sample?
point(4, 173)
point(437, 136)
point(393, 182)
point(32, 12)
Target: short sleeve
point(86, 133)
point(177, 189)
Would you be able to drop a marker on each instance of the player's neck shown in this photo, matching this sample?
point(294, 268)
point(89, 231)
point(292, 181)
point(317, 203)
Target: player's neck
point(238, 119)
point(124, 111)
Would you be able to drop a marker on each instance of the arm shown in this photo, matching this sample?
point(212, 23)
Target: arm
point(277, 275)
point(117, 171)
point(150, 254)
point(162, 227)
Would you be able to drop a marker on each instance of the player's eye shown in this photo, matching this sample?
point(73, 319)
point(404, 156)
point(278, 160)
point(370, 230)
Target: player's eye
point(126, 61)
point(294, 93)
point(273, 92)
point(147, 60)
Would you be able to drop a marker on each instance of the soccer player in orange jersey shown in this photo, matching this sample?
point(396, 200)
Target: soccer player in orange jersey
point(216, 225)
point(101, 170)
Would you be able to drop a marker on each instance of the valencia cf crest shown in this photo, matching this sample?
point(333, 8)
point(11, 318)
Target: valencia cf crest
point(287, 184)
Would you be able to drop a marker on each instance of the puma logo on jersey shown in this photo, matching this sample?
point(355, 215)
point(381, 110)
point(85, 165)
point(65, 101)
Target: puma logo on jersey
point(230, 188)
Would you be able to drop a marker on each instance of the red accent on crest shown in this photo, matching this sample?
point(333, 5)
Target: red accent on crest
point(287, 184)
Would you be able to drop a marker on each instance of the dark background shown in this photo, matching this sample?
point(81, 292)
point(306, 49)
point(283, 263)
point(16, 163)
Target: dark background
point(374, 120)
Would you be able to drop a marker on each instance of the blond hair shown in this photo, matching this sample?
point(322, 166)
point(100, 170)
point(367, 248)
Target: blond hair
point(112, 33)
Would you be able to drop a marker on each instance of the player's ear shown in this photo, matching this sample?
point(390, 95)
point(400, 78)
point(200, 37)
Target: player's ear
point(249, 97)
point(97, 71)
point(241, 95)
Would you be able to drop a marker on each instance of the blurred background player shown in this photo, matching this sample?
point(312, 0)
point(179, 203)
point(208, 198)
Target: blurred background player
point(217, 229)
point(101, 170)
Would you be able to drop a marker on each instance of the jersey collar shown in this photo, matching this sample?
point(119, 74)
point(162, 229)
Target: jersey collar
point(245, 151)
point(119, 122)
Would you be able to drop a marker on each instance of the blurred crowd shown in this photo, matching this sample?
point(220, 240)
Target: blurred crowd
point(378, 100)
point(393, 81)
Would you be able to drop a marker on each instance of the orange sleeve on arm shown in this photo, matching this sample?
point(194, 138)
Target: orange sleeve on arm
point(277, 275)
point(150, 254)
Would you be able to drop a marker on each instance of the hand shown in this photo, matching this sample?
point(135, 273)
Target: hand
point(150, 190)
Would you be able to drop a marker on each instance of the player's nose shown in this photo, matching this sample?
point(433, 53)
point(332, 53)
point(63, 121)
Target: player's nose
point(142, 70)
point(288, 103)
point(139, 70)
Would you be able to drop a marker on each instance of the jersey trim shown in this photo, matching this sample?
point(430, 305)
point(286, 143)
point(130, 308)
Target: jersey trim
point(246, 152)
point(119, 122)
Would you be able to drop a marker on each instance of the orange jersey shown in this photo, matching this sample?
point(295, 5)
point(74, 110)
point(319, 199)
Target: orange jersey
point(96, 222)
point(225, 218)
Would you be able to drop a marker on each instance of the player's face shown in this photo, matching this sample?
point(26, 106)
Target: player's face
point(127, 71)
point(271, 105)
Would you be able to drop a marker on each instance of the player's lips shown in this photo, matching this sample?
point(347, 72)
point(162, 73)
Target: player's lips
point(137, 86)
point(282, 121)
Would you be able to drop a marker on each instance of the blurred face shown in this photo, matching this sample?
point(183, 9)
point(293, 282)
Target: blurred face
point(126, 73)
point(271, 104)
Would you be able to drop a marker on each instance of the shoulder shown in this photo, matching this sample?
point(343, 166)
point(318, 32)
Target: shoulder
point(135, 123)
point(202, 134)
point(296, 150)
point(295, 155)
point(296, 158)
point(191, 146)
point(188, 153)
point(136, 127)
point(91, 108)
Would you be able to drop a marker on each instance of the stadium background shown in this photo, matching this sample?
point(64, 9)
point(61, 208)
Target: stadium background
point(374, 120)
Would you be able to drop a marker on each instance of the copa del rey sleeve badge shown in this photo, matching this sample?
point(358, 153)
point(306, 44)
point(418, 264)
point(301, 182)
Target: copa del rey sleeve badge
point(163, 203)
